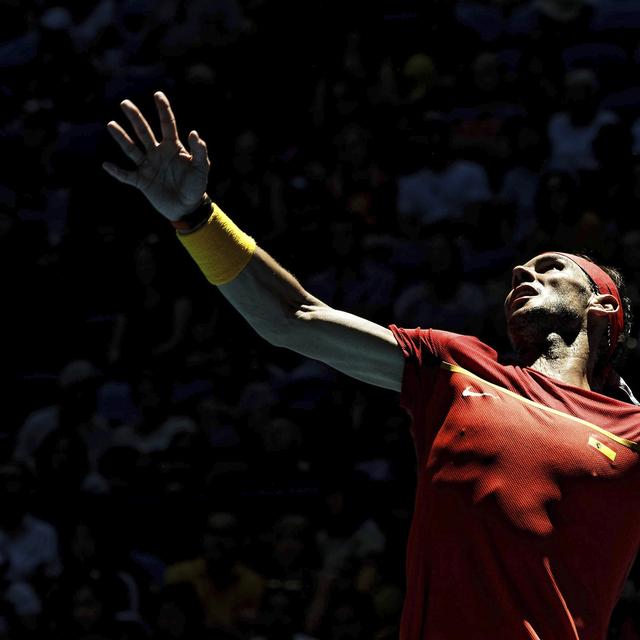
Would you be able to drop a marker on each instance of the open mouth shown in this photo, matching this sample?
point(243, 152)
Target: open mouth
point(520, 296)
point(520, 301)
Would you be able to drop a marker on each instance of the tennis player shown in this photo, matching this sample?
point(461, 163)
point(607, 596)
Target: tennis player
point(525, 523)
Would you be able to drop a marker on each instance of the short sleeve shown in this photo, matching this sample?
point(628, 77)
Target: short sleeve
point(424, 350)
point(418, 350)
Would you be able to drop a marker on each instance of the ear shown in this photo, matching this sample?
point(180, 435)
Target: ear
point(603, 305)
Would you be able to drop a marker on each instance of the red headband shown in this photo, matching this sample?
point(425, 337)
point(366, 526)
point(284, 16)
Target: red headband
point(604, 284)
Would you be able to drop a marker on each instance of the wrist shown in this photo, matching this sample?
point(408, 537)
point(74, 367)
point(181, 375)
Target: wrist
point(219, 247)
point(195, 218)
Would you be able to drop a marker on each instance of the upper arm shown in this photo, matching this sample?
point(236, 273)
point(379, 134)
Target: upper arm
point(355, 346)
point(279, 309)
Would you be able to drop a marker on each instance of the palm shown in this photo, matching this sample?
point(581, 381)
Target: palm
point(172, 178)
point(169, 180)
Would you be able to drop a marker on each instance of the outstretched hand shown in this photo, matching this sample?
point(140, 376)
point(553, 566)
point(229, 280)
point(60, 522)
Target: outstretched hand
point(173, 179)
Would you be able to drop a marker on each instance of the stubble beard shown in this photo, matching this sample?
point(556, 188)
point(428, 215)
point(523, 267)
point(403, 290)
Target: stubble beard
point(538, 329)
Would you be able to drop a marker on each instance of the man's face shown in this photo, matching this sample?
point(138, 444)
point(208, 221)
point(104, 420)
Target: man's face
point(549, 294)
point(220, 540)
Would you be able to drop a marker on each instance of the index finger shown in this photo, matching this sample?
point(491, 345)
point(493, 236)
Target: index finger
point(167, 119)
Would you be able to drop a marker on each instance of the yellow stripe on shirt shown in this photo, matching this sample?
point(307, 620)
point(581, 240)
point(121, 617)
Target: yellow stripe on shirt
point(454, 368)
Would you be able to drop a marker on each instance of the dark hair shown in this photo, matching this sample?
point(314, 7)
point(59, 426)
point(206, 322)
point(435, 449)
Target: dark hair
point(620, 353)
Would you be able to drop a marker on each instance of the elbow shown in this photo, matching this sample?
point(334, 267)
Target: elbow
point(290, 329)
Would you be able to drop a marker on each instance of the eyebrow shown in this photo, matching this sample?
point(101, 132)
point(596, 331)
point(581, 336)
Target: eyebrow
point(543, 259)
point(568, 262)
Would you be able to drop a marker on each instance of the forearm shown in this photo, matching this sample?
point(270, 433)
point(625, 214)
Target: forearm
point(265, 293)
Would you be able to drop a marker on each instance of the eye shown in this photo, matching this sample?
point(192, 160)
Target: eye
point(551, 266)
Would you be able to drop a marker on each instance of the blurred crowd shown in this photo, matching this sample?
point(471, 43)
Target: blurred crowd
point(166, 474)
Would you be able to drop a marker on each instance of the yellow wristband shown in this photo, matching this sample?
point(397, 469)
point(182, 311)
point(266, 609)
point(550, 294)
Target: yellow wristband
point(219, 247)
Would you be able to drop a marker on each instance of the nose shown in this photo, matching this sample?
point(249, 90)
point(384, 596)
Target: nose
point(521, 274)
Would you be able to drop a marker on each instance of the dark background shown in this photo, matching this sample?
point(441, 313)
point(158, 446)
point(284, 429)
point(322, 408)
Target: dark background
point(399, 158)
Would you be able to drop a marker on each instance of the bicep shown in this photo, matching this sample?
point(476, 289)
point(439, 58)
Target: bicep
point(355, 346)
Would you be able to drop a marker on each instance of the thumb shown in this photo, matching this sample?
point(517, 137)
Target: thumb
point(128, 177)
point(198, 149)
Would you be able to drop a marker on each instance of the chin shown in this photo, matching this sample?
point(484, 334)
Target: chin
point(532, 325)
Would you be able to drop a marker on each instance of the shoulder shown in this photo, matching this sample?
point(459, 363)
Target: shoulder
point(40, 528)
point(465, 169)
point(606, 117)
point(46, 416)
point(442, 346)
point(184, 571)
point(249, 578)
point(415, 180)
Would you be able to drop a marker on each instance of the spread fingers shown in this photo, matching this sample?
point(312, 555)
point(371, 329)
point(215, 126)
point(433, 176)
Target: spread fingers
point(139, 124)
point(167, 119)
point(127, 145)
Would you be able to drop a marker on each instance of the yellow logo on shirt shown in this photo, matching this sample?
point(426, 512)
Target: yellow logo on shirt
point(602, 448)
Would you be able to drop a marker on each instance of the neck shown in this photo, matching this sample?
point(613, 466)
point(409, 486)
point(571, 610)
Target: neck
point(570, 363)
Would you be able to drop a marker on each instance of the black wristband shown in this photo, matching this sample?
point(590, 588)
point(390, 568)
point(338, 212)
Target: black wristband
point(196, 218)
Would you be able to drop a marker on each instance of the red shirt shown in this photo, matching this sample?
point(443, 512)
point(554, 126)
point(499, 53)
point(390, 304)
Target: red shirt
point(527, 515)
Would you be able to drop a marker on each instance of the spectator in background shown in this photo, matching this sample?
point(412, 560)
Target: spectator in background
point(442, 296)
point(204, 25)
point(358, 184)
point(252, 189)
point(28, 545)
point(338, 101)
point(553, 24)
point(417, 91)
point(95, 547)
point(538, 83)
point(279, 472)
point(153, 325)
point(440, 187)
point(87, 611)
point(354, 279)
point(288, 565)
point(184, 463)
point(64, 475)
point(176, 614)
point(229, 592)
point(485, 104)
point(347, 533)
point(74, 414)
point(562, 217)
point(350, 618)
point(337, 606)
point(125, 472)
point(158, 421)
point(529, 150)
point(20, 606)
point(572, 131)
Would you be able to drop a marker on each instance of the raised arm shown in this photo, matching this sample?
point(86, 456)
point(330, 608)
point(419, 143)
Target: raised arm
point(174, 179)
